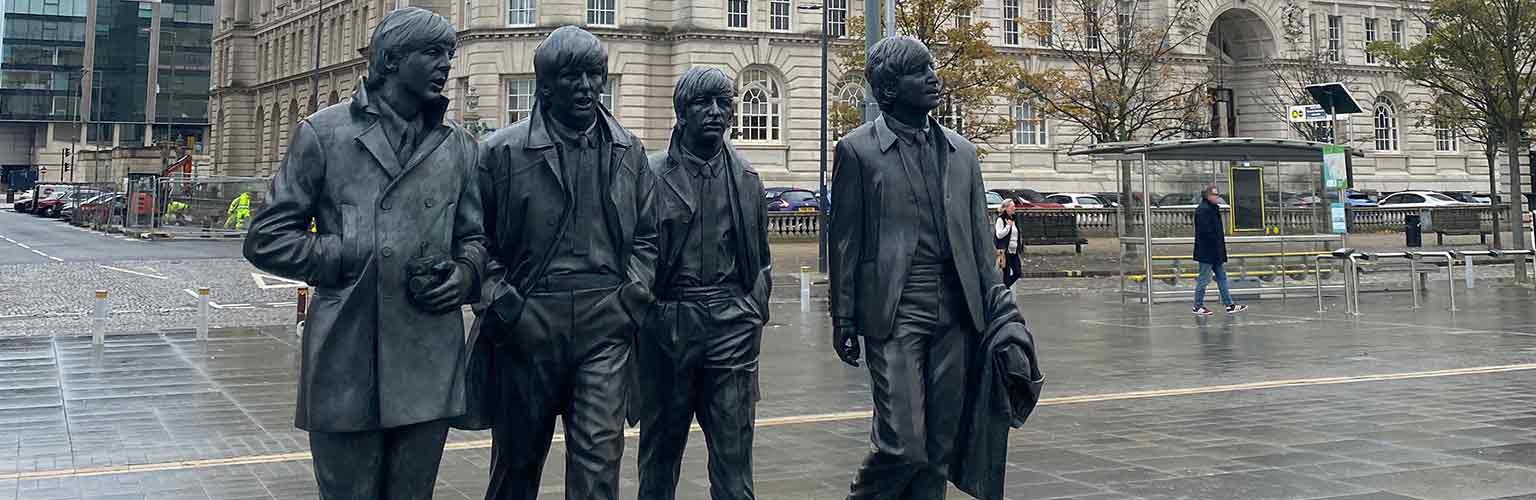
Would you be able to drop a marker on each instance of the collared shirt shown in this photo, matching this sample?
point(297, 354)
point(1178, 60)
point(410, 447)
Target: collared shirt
point(404, 135)
point(709, 254)
point(918, 149)
point(587, 247)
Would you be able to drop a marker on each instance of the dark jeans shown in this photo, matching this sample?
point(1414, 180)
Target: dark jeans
point(917, 378)
point(1012, 272)
point(699, 358)
point(566, 357)
point(390, 464)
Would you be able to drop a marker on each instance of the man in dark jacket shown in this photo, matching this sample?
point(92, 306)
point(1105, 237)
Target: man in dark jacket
point(915, 279)
point(570, 220)
point(1211, 252)
point(699, 345)
point(398, 247)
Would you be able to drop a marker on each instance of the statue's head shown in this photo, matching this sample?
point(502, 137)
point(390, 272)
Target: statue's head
point(705, 103)
point(901, 75)
point(571, 68)
point(412, 47)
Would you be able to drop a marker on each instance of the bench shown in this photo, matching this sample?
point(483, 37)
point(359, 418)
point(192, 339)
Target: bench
point(1458, 222)
point(1049, 229)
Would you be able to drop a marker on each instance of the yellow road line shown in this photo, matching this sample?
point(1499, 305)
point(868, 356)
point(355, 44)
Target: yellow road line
point(794, 420)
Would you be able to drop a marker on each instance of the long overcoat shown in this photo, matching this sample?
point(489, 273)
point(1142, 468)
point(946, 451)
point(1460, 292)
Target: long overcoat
point(371, 359)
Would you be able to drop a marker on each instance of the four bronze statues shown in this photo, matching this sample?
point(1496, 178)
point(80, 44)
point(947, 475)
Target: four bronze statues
point(608, 286)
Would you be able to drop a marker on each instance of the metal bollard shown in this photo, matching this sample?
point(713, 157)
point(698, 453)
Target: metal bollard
point(302, 311)
point(99, 319)
point(202, 313)
point(805, 288)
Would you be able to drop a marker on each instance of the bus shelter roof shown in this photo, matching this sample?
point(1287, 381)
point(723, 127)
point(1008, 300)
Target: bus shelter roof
point(1215, 149)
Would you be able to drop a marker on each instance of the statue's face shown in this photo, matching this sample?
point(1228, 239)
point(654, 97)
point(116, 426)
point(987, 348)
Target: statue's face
point(573, 93)
point(918, 90)
point(707, 116)
point(423, 72)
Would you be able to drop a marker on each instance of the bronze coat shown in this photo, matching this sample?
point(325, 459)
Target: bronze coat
point(527, 210)
point(371, 359)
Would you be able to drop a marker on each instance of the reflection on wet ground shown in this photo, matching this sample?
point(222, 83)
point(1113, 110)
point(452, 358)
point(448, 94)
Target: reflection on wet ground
point(1277, 403)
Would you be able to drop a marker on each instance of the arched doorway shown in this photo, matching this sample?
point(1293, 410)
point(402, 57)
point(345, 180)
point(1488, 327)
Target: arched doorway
point(1242, 47)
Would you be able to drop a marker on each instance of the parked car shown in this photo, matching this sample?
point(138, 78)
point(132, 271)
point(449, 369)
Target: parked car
point(1186, 200)
point(1076, 200)
point(1027, 198)
point(96, 205)
point(792, 200)
point(1419, 199)
point(1111, 200)
point(994, 201)
point(55, 205)
point(1467, 197)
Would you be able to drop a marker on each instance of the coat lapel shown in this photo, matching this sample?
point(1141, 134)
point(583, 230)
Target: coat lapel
point(739, 211)
point(957, 209)
point(677, 179)
point(374, 141)
point(428, 145)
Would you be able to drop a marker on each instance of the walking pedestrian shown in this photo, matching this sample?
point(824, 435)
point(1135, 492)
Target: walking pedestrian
point(1211, 252)
point(1009, 243)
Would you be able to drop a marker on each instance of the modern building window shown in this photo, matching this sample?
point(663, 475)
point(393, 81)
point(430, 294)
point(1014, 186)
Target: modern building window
point(520, 95)
point(1011, 22)
point(520, 12)
point(1397, 32)
point(602, 12)
point(1045, 14)
point(1029, 124)
point(1370, 37)
point(1386, 126)
point(837, 18)
point(1335, 38)
point(760, 108)
point(1445, 137)
point(736, 13)
point(778, 16)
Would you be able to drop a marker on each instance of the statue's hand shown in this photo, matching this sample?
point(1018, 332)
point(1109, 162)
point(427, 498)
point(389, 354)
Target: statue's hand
point(845, 340)
point(448, 294)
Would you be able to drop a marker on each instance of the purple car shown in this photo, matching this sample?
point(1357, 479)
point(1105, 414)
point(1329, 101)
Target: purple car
point(782, 199)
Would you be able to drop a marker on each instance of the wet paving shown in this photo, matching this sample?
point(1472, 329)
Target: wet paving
point(1280, 402)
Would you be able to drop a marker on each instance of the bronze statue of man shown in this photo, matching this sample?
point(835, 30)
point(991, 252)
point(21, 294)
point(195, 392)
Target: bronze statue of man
point(398, 247)
point(568, 214)
point(698, 348)
point(912, 275)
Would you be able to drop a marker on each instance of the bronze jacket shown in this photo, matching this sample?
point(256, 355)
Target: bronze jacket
point(371, 359)
point(527, 210)
point(873, 223)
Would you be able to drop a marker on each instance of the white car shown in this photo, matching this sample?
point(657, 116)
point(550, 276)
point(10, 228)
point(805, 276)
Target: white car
point(1419, 199)
point(1077, 200)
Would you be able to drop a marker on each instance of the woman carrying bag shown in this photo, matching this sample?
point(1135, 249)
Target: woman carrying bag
point(1009, 244)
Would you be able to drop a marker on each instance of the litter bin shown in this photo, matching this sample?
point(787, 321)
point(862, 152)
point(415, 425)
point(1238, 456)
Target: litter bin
point(1413, 231)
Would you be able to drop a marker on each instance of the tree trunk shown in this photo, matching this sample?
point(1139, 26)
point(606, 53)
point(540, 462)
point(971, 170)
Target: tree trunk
point(1517, 221)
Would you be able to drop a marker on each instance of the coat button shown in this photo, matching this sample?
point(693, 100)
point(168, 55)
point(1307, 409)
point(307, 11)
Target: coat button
point(429, 203)
point(385, 205)
point(387, 252)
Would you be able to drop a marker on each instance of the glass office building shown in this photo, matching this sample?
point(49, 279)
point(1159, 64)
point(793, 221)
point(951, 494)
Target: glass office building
point(131, 79)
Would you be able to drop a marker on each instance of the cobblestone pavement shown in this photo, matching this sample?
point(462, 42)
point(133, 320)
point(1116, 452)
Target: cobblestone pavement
point(1278, 403)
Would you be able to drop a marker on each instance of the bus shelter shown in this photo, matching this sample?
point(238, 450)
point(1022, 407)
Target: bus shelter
point(1276, 210)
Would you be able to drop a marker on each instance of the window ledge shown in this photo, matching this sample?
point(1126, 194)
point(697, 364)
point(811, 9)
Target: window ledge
point(761, 146)
point(1033, 148)
point(1388, 154)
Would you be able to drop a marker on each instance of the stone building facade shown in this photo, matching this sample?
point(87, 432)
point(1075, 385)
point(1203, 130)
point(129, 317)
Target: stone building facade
point(277, 61)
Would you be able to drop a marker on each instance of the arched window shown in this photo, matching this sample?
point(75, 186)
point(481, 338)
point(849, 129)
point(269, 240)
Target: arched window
point(760, 108)
point(261, 124)
point(851, 95)
point(1386, 126)
point(1028, 124)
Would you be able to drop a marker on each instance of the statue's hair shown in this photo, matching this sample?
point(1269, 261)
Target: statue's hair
point(890, 59)
point(700, 81)
point(566, 46)
point(401, 31)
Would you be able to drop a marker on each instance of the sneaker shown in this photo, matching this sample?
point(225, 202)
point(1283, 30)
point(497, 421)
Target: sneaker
point(1202, 311)
point(1236, 308)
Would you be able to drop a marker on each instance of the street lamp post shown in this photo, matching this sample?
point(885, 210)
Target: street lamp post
point(822, 207)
